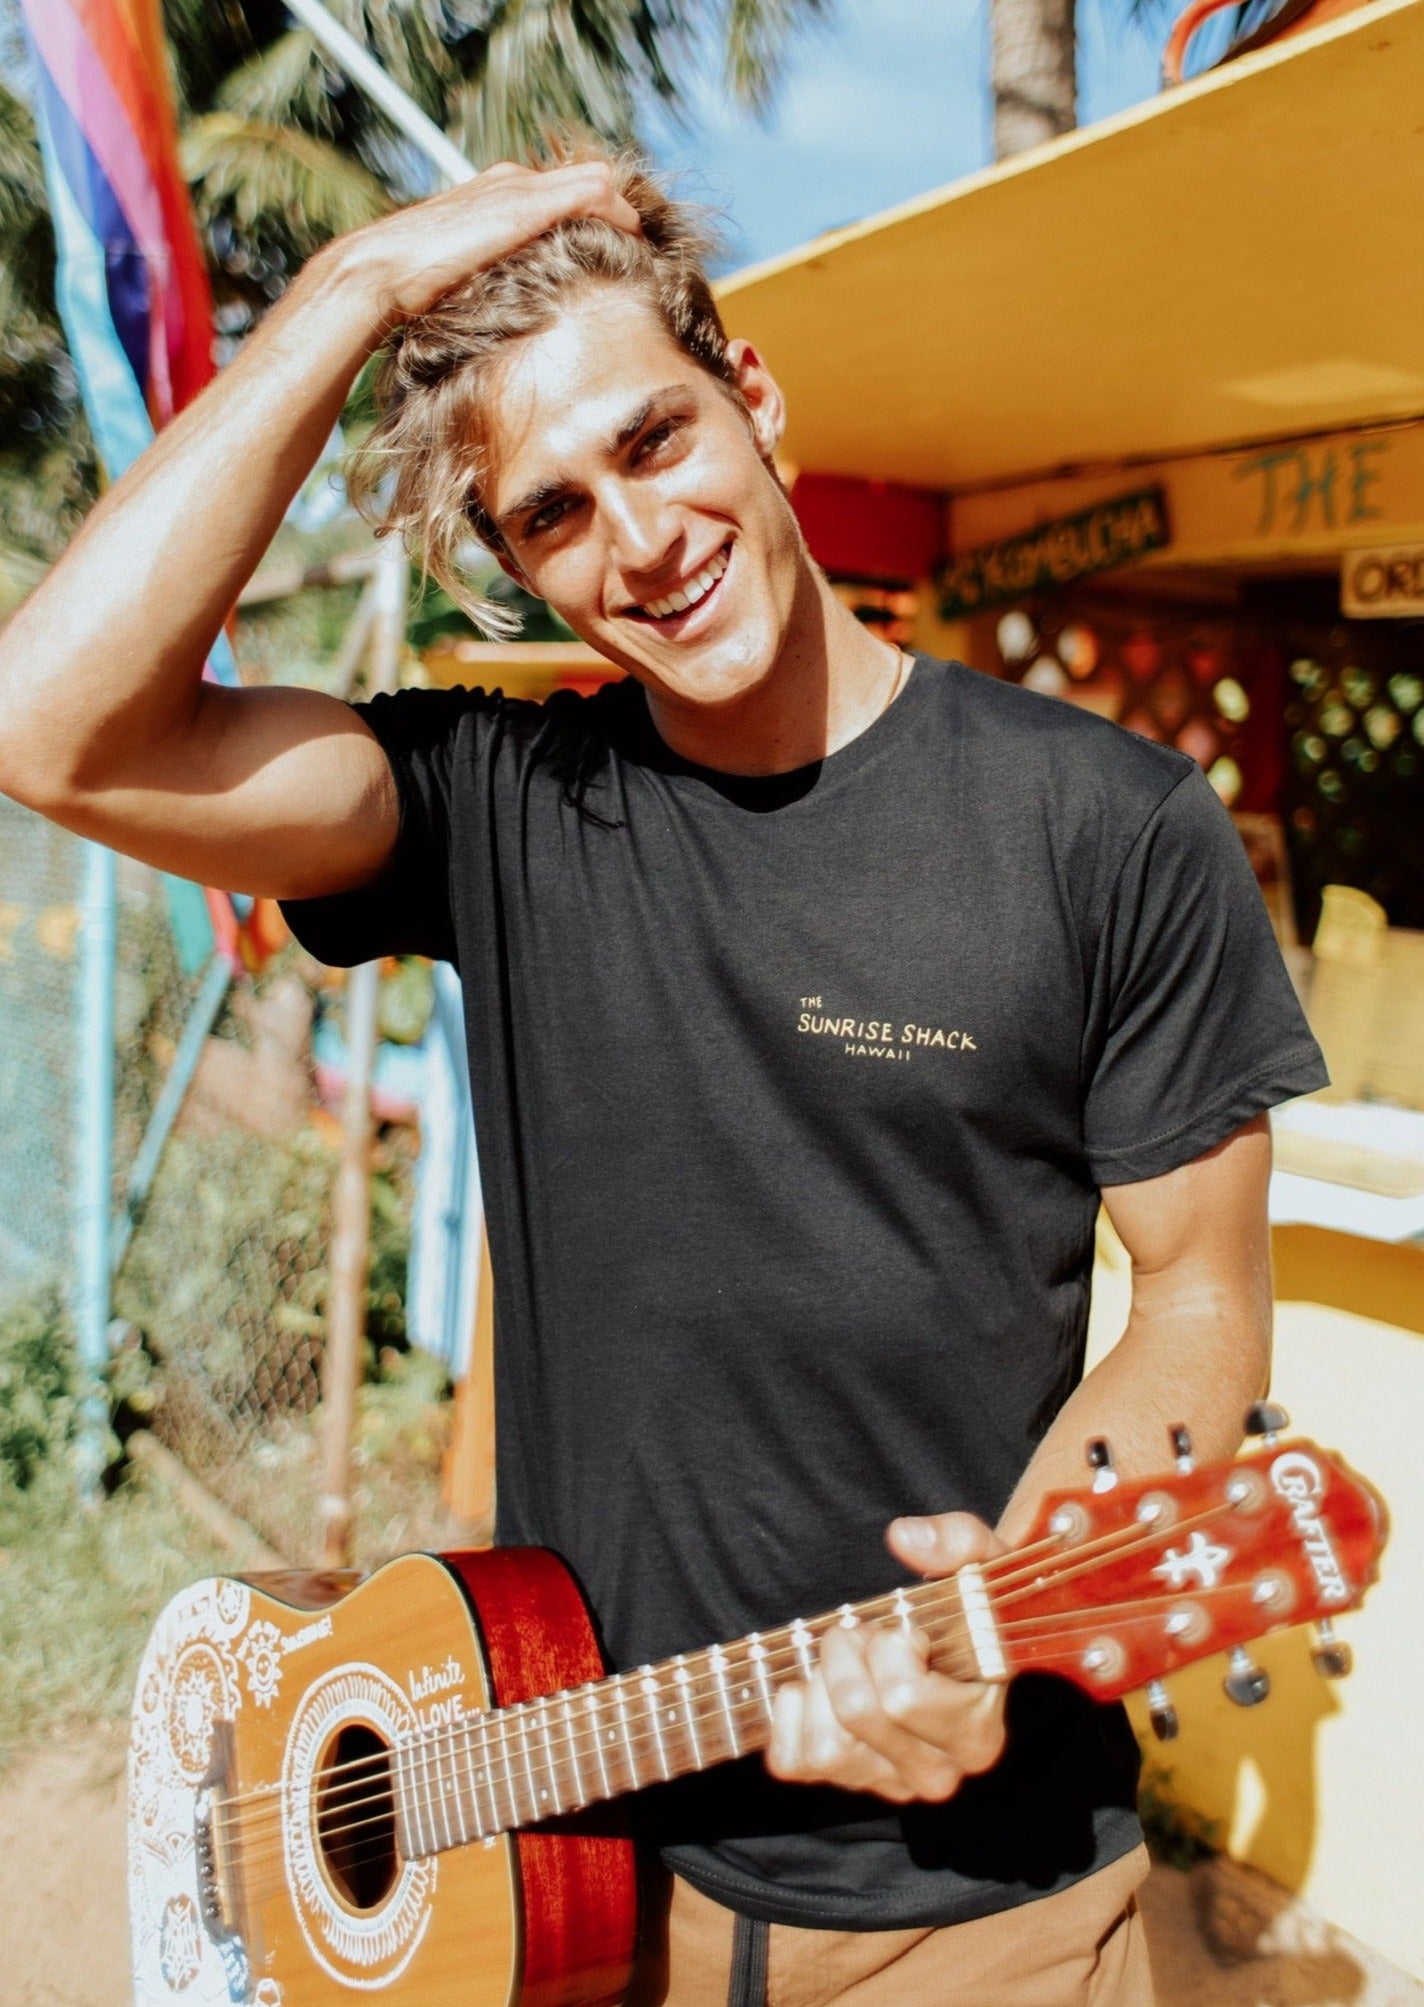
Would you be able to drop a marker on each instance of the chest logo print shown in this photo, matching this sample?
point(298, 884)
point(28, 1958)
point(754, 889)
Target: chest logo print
point(879, 1037)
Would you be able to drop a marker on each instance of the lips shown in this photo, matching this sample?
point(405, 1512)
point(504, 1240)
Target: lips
point(670, 610)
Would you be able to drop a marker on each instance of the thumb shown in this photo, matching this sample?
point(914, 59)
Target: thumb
point(942, 1542)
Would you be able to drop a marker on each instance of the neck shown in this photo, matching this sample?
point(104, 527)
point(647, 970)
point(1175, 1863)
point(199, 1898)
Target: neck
point(829, 683)
point(515, 1766)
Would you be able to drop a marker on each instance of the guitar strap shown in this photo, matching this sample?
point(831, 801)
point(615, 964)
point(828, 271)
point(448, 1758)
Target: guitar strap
point(747, 1985)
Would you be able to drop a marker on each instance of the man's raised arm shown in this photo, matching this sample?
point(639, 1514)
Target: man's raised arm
point(105, 723)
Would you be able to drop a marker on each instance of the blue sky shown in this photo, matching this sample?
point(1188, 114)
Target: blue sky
point(888, 99)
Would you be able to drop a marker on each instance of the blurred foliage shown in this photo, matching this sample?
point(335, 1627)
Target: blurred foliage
point(282, 153)
point(37, 1388)
point(80, 1587)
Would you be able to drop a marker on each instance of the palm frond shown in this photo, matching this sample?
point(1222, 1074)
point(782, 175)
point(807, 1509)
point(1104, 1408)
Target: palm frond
point(758, 36)
point(261, 175)
point(285, 84)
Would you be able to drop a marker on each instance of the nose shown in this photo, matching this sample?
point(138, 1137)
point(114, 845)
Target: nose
point(644, 530)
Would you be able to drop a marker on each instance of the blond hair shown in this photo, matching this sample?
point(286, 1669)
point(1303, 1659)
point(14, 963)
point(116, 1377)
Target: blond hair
point(418, 472)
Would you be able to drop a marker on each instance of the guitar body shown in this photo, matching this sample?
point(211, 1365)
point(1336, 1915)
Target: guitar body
point(245, 1881)
point(405, 1785)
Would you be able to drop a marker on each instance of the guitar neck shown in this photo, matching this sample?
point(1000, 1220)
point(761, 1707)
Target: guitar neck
point(1112, 1589)
point(514, 1766)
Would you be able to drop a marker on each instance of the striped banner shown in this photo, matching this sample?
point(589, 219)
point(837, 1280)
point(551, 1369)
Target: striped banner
point(130, 282)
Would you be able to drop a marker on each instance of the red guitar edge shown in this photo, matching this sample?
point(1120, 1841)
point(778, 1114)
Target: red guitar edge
point(580, 1923)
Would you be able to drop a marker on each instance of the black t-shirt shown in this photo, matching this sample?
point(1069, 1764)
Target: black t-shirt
point(793, 1101)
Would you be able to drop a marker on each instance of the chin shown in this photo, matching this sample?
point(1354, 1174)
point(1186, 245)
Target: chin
point(723, 673)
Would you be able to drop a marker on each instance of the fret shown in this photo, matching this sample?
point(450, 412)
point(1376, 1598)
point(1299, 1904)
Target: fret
point(581, 1797)
point(526, 1756)
point(682, 1679)
point(484, 1775)
point(592, 1705)
point(648, 1683)
point(717, 1658)
point(413, 1833)
point(470, 1814)
point(803, 1644)
point(756, 1652)
point(551, 1768)
point(634, 1774)
point(428, 1817)
point(500, 1721)
point(442, 1790)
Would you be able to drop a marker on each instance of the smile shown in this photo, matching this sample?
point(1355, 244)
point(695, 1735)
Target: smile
point(698, 588)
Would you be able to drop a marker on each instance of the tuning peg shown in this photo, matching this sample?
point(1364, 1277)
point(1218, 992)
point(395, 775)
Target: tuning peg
point(1331, 1656)
point(1100, 1462)
point(1266, 1419)
point(1245, 1683)
point(1181, 1441)
point(1160, 1712)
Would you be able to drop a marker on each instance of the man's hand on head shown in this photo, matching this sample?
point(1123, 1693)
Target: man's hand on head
point(875, 1716)
point(424, 251)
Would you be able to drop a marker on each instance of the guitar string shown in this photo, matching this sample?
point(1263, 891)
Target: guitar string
point(354, 1849)
point(1005, 1572)
point(436, 1742)
point(1083, 1626)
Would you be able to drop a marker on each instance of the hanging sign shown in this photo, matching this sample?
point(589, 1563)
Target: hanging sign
point(1383, 584)
point(1111, 533)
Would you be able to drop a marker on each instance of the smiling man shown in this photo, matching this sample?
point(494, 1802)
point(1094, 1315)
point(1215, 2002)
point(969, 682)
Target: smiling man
point(817, 994)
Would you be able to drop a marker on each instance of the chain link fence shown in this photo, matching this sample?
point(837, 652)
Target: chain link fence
point(222, 1210)
point(41, 871)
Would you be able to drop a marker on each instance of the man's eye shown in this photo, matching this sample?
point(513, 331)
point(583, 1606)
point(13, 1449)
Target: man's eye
point(658, 437)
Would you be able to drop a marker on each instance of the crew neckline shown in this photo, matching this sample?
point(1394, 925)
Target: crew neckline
point(799, 788)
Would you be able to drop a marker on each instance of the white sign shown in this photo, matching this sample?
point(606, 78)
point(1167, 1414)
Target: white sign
point(1383, 584)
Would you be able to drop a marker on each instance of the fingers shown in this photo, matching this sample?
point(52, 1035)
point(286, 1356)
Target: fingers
point(425, 251)
point(944, 1541)
point(875, 1717)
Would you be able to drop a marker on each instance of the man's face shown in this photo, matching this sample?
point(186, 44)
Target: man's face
point(622, 476)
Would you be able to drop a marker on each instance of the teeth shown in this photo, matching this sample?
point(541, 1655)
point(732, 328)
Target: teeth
point(697, 588)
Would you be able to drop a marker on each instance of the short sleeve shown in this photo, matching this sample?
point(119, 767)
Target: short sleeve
point(1193, 1023)
point(407, 910)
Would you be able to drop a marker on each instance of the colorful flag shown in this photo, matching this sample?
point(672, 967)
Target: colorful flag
point(130, 282)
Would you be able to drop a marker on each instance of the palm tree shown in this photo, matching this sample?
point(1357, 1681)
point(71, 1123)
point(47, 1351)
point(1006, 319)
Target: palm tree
point(281, 153)
point(1032, 72)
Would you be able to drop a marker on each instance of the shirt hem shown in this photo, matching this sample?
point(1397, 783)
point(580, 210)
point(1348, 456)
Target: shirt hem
point(807, 1910)
point(1283, 1078)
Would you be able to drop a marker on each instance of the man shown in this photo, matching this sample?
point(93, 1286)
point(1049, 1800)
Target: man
point(815, 992)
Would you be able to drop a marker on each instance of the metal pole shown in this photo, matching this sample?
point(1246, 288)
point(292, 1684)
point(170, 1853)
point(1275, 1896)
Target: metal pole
point(363, 69)
point(206, 1005)
point(95, 1139)
point(351, 1200)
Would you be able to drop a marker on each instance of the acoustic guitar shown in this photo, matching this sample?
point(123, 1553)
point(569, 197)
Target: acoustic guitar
point(344, 1786)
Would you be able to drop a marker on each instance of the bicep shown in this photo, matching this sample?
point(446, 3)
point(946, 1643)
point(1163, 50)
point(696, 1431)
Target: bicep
point(1199, 1241)
point(278, 792)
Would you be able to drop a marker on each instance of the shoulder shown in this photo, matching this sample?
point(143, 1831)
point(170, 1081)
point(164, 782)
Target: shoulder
point(1055, 754)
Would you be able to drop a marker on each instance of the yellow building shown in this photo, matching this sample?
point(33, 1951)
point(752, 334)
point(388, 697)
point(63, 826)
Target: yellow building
point(1139, 419)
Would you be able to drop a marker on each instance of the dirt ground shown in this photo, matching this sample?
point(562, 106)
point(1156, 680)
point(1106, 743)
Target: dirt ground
point(1220, 1936)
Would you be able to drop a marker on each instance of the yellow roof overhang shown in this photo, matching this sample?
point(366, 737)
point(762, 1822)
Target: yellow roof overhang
point(1236, 260)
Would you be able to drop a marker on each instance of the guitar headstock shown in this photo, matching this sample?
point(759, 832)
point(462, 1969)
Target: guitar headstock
point(1120, 1584)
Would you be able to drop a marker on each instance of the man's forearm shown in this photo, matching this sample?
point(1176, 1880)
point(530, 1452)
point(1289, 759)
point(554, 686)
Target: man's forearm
point(105, 658)
point(1204, 1373)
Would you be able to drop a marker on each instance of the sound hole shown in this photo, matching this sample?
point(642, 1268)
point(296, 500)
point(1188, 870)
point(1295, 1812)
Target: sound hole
point(356, 1816)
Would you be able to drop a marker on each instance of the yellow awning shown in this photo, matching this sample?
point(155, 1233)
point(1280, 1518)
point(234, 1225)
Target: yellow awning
point(1237, 260)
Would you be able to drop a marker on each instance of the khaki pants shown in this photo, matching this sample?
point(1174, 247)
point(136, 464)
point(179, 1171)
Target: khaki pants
point(1081, 1948)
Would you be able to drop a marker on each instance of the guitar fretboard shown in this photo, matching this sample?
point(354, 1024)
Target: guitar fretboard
point(515, 1766)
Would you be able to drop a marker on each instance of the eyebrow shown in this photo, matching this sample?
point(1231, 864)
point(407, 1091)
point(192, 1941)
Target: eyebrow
point(537, 498)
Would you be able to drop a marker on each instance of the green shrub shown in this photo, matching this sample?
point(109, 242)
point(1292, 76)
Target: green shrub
point(37, 1387)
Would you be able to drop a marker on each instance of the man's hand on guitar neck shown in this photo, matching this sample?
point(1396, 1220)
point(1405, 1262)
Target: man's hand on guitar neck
point(875, 1716)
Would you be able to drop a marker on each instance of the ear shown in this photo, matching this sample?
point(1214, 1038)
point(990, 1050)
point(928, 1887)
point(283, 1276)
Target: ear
point(761, 393)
